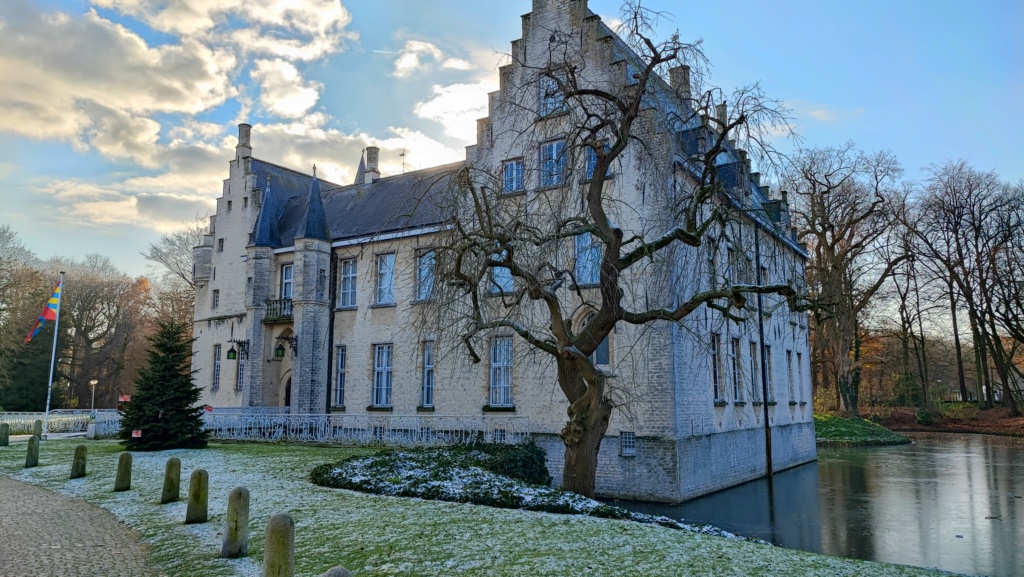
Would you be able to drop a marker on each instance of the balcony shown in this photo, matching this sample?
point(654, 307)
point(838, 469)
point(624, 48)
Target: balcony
point(279, 311)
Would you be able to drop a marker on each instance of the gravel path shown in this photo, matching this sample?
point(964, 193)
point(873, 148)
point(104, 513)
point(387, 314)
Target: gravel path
point(47, 534)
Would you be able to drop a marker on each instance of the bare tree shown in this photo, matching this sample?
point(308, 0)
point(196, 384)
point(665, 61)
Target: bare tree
point(845, 205)
point(171, 258)
point(507, 259)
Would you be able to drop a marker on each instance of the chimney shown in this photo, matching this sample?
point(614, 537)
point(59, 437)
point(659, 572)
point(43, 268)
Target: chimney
point(244, 148)
point(722, 112)
point(372, 155)
point(785, 196)
point(679, 78)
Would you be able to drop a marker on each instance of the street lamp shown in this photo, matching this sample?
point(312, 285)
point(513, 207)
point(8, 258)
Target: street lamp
point(92, 409)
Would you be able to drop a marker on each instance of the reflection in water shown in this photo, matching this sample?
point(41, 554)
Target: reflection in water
point(953, 502)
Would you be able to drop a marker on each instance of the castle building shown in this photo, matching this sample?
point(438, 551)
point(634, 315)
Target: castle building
point(317, 298)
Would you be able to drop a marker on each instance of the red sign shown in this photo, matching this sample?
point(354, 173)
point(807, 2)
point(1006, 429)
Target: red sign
point(208, 408)
point(136, 433)
point(124, 398)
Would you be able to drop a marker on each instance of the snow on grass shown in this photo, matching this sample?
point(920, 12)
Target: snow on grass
point(374, 535)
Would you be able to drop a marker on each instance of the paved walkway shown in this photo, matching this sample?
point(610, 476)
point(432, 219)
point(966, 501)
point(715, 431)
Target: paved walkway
point(46, 534)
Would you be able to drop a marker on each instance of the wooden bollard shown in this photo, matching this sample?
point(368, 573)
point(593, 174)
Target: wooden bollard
point(32, 455)
point(279, 549)
point(198, 493)
point(236, 525)
point(5, 435)
point(338, 571)
point(37, 428)
point(78, 464)
point(172, 481)
point(123, 480)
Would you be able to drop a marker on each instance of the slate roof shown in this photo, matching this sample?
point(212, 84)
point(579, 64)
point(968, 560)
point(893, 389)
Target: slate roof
point(395, 203)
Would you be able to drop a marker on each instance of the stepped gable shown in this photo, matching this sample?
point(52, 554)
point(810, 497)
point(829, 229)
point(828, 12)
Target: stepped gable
point(387, 205)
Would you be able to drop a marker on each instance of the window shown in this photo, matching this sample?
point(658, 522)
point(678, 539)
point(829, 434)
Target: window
point(499, 436)
point(386, 279)
point(216, 299)
point(512, 176)
point(734, 358)
point(428, 374)
point(716, 366)
point(220, 245)
point(347, 290)
point(755, 384)
point(286, 281)
point(588, 259)
point(216, 368)
point(600, 356)
point(552, 163)
point(501, 372)
point(229, 206)
point(425, 275)
point(245, 203)
point(800, 374)
point(768, 372)
point(240, 377)
point(339, 379)
point(627, 444)
point(730, 273)
point(382, 375)
point(789, 374)
point(501, 278)
point(552, 99)
point(592, 162)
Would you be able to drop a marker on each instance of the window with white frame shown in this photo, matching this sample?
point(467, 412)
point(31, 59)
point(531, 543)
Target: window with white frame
point(427, 398)
point(768, 370)
point(591, 163)
point(735, 361)
point(425, 265)
point(339, 376)
point(716, 366)
point(627, 443)
point(513, 176)
point(216, 368)
point(240, 376)
point(588, 259)
point(347, 286)
point(286, 281)
point(800, 374)
point(501, 277)
point(552, 163)
point(602, 354)
point(755, 373)
point(730, 273)
point(499, 436)
point(382, 375)
point(552, 99)
point(216, 299)
point(501, 372)
point(386, 279)
point(789, 374)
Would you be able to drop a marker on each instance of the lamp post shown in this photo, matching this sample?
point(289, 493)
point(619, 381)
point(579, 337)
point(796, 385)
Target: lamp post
point(92, 407)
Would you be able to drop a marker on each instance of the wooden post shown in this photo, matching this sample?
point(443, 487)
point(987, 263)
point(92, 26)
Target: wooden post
point(172, 481)
point(123, 481)
point(5, 435)
point(78, 464)
point(236, 525)
point(198, 494)
point(32, 455)
point(279, 549)
point(37, 429)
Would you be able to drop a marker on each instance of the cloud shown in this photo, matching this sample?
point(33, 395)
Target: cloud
point(822, 113)
point(457, 107)
point(457, 64)
point(282, 90)
point(414, 56)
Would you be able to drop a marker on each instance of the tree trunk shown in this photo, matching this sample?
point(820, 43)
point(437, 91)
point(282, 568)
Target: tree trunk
point(588, 420)
point(964, 396)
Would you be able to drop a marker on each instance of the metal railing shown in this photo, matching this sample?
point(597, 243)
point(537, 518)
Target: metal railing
point(61, 420)
point(278, 310)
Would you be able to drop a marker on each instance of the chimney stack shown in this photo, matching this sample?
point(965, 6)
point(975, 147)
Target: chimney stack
point(372, 157)
point(722, 112)
point(679, 78)
point(244, 148)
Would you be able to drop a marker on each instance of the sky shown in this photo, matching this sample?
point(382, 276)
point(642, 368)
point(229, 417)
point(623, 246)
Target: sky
point(118, 117)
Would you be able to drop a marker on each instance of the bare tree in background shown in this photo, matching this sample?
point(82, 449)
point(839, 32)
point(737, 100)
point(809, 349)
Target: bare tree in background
point(845, 204)
point(171, 258)
point(507, 260)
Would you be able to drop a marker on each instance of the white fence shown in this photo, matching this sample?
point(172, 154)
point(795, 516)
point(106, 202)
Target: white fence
point(274, 424)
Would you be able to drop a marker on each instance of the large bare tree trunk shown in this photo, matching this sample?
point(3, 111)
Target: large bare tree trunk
point(964, 397)
point(588, 420)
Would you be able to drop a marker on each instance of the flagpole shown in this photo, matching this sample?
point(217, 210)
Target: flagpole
point(53, 357)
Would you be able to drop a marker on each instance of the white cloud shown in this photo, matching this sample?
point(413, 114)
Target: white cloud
point(457, 64)
point(282, 90)
point(457, 108)
point(414, 56)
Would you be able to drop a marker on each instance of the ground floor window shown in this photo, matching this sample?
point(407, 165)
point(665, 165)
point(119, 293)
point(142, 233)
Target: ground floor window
point(501, 372)
point(382, 375)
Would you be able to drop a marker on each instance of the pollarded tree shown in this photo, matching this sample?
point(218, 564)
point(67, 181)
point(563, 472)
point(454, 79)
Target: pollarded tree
point(162, 408)
point(635, 175)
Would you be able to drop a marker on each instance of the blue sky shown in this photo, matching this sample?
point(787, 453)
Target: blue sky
point(117, 117)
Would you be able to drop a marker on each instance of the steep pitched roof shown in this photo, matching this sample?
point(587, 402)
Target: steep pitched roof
point(266, 232)
point(314, 220)
point(361, 171)
point(403, 201)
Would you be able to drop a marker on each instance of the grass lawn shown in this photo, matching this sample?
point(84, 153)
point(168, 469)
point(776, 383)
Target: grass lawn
point(377, 535)
point(835, 430)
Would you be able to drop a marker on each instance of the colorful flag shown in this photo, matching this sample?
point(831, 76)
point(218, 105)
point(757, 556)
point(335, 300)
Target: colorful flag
point(49, 313)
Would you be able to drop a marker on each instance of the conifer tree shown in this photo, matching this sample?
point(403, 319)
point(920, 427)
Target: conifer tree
point(162, 407)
